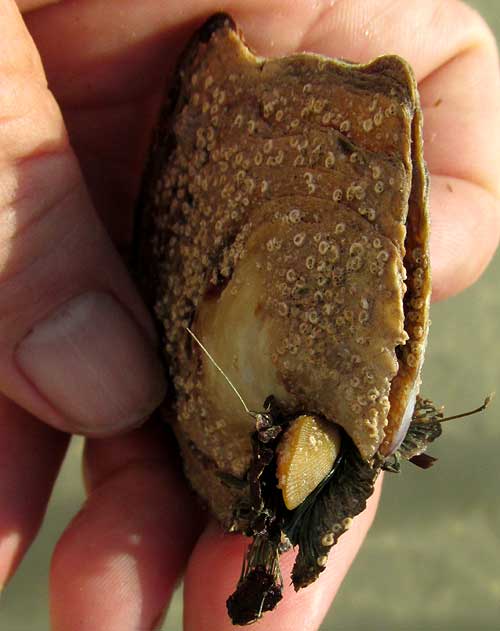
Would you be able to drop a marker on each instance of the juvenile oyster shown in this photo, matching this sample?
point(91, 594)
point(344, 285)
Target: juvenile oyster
point(283, 219)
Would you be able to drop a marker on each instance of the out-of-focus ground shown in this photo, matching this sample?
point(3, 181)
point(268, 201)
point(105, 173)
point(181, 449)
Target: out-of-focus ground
point(432, 559)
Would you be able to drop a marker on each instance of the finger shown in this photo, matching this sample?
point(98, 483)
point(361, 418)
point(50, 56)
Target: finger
point(464, 234)
point(215, 566)
point(449, 46)
point(30, 457)
point(117, 564)
point(31, 5)
point(76, 344)
point(461, 102)
point(97, 33)
point(462, 119)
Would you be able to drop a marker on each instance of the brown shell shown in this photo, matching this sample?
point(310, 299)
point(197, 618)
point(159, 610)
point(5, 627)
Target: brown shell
point(274, 218)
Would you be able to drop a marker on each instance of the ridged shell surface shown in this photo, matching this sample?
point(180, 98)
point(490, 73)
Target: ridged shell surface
point(305, 456)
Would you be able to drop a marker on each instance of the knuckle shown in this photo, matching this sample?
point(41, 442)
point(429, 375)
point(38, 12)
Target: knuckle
point(472, 19)
point(30, 119)
point(35, 197)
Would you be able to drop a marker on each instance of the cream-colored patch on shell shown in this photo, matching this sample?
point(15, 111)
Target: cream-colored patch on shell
point(306, 454)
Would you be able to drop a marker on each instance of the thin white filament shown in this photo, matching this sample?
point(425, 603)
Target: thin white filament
point(218, 368)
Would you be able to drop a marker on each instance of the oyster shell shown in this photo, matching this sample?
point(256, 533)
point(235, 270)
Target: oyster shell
point(283, 218)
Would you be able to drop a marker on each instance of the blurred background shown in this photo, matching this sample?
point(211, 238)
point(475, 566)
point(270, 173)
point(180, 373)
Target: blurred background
point(432, 558)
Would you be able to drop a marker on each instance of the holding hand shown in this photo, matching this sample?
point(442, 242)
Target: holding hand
point(77, 345)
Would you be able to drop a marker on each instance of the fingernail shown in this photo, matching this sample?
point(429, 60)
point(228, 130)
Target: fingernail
point(93, 363)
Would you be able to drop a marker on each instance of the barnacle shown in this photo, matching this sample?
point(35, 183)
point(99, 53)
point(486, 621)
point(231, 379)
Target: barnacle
point(283, 220)
point(305, 456)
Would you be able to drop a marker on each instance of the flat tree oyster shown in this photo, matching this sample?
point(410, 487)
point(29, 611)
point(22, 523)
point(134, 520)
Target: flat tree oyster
point(283, 242)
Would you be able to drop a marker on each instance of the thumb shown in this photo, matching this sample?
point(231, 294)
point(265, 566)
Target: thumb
point(76, 344)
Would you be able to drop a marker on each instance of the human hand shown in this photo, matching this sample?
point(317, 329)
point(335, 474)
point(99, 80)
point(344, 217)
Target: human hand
point(119, 560)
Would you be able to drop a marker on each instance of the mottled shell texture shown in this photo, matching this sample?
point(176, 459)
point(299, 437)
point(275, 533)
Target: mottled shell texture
point(285, 222)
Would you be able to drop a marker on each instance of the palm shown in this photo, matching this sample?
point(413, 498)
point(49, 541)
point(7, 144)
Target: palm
point(106, 62)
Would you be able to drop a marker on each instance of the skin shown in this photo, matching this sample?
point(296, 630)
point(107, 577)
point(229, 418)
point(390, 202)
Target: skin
point(140, 530)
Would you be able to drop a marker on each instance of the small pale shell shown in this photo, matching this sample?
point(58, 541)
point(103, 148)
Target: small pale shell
point(306, 454)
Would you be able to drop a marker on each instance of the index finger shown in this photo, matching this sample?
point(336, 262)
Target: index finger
point(451, 49)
